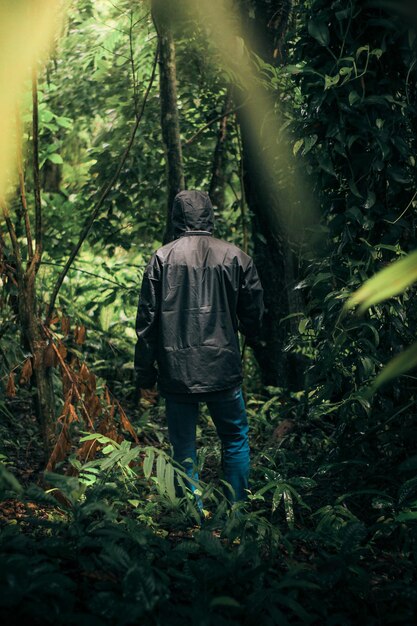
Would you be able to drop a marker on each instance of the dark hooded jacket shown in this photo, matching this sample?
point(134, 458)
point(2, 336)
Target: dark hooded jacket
point(197, 292)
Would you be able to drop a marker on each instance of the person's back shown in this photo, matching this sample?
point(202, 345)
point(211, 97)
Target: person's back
point(197, 292)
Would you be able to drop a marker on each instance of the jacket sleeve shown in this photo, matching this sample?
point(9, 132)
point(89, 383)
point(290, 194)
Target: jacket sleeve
point(250, 305)
point(147, 326)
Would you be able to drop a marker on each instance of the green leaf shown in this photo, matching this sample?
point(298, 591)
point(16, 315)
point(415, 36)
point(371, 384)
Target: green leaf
point(362, 49)
point(298, 144)
point(289, 507)
point(377, 52)
point(331, 81)
point(390, 282)
point(354, 97)
point(65, 122)
point(354, 189)
point(134, 503)
point(169, 482)
point(326, 164)
point(277, 497)
point(303, 325)
point(407, 516)
point(8, 481)
point(55, 158)
point(370, 200)
point(148, 463)
point(160, 473)
point(309, 142)
point(320, 32)
point(293, 69)
point(399, 365)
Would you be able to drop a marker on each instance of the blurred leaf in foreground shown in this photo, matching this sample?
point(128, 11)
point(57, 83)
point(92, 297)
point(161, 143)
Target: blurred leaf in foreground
point(26, 32)
point(390, 282)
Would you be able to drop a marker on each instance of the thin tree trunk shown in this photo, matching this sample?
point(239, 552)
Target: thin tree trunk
point(169, 109)
point(30, 320)
point(35, 341)
point(218, 178)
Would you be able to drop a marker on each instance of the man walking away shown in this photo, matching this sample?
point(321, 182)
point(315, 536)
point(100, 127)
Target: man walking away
point(197, 292)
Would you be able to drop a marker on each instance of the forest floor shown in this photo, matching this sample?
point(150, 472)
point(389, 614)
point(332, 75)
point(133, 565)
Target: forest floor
point(116, 549)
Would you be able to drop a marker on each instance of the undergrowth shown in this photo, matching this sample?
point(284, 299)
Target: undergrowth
point(113, 544)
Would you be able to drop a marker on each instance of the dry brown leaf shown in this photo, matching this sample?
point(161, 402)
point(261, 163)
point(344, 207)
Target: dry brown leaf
point(126, 424)
point(49, 356)
point(66, 382)
point(66, 407)
point(108, 428)
point(90, 402)
point(283, 429)
point(74, 362)
point(79, 334)
point(62, 350)
point(95, 408)
point(26, 372)
point(61, 449)
point(73, 414)
point(65, 325)
point(10, 387)
point(84, 373)
point(92, 382)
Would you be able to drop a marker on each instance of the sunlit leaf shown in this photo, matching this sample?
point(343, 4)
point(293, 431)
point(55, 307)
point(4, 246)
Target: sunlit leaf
point(390, 282)
point(399, 365)
point(55, 158)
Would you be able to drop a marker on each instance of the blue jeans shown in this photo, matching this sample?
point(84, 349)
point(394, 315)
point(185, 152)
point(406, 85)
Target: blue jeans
point(230, 419)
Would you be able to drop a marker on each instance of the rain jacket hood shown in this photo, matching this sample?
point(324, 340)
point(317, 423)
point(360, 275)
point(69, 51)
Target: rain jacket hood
point(192, 210)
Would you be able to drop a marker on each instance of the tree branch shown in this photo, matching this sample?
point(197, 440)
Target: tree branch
point(105, 192)
point(213, 121)
point(77, 269)
point(132, 64)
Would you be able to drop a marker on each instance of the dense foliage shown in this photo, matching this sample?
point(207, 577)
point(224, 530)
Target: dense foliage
point(329, 533)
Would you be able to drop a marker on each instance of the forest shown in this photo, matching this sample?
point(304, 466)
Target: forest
point(299, 119)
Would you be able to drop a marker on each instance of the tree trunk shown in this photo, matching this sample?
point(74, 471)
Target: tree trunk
point(272, 253)
point(34, 340)
point(169, 110)
point(218, 178)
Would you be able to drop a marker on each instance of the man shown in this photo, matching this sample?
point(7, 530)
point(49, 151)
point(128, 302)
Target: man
point(197, 292)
